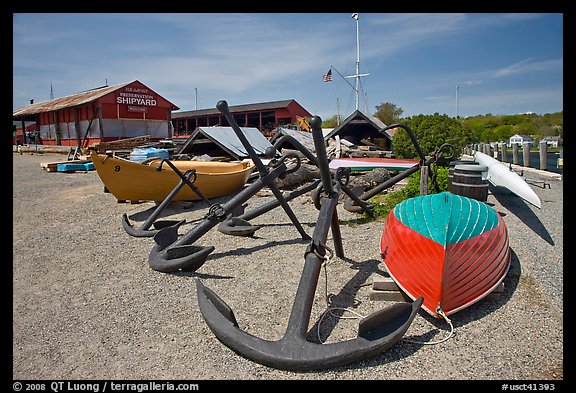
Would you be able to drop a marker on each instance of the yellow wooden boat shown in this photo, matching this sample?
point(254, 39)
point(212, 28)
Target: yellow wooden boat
point(133, 181)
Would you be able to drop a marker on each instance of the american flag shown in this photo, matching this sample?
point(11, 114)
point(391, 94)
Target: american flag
point(328, 76)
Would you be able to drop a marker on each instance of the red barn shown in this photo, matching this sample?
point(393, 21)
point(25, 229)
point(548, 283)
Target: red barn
point(103, 114)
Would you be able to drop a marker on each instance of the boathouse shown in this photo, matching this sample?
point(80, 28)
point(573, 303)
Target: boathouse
point(265, 116)
point(102, 114)
point(362, 129)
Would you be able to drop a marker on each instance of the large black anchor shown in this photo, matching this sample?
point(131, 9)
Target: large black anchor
point(172, 253)
point(376, 332)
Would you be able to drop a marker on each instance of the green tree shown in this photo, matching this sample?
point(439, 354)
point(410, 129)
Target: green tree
point(331, 122)
point(431, 131)
point(503, 132)
point(388, 113)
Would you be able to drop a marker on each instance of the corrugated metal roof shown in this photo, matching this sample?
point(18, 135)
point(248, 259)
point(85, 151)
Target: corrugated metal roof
point(305, 138)
point(233, 109)
point(226, 139)
point(68, 101)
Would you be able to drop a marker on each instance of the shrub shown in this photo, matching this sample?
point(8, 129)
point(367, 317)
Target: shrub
point(384, 203)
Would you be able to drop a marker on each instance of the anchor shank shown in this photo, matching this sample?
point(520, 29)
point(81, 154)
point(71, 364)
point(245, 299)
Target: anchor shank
point(237, 200)
point(302, 307)
point(321, 155)
point(275, 203)
point(222, 106)
point(148, 223)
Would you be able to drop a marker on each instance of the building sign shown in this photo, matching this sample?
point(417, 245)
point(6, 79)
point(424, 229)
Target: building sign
point(132, 108)
point(136, 96)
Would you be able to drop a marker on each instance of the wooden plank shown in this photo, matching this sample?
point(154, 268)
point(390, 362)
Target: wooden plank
point(385, 289)
point(392, 296)
point(384, 283)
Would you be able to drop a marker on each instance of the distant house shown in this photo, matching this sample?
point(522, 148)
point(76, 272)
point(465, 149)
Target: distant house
point(520, 139)
point(553, 141)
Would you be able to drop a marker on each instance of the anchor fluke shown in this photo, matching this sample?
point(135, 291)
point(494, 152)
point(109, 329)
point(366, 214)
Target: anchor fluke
point(293, 352)
point(186, 258)
point(237, 226)
point(143, 231)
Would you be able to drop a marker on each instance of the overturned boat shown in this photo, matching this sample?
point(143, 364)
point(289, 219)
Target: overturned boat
point(450, 249)
point(153, 181)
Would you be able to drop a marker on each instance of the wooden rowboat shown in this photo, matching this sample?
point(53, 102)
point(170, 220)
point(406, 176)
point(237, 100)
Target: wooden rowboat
point(450, 249)
point(133, 181)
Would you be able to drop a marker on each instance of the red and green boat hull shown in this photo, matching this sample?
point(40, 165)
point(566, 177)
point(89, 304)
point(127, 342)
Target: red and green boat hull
point(450, 249)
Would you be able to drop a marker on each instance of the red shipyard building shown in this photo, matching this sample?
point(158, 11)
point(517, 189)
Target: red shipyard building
point(103, 114)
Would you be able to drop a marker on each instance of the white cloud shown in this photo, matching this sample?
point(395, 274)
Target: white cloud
point(527, 66)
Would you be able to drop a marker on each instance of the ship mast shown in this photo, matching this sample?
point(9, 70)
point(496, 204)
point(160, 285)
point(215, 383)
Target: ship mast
point(358, 75)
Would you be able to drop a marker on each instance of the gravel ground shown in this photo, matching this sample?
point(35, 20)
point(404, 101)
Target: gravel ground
point(86, 305)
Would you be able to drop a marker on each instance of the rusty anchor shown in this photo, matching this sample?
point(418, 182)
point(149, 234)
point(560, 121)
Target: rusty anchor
point(376, 333)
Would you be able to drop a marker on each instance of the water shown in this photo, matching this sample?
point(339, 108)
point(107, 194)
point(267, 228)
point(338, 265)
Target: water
point(552, 160)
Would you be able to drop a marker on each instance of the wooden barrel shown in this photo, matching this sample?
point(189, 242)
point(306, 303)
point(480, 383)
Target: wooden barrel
point(451, 170)
point(468, 181)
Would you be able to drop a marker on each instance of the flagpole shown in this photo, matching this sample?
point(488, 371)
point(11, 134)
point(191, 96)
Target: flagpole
point(356, 88)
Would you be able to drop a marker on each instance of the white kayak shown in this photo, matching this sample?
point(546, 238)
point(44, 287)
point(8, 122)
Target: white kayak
point(499, 175)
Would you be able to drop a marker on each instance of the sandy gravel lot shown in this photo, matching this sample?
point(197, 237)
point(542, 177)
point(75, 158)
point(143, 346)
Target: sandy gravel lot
point(86, 304)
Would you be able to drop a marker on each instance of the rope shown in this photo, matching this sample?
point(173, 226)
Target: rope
point(327, 259)
point(441, 313)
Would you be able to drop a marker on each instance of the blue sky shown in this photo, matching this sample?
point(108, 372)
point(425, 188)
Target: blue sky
point(501, 63)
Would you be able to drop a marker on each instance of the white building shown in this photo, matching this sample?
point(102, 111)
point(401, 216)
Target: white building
point(519, 139)
point(553, 141)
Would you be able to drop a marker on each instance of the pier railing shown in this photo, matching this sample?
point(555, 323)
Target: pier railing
point(501, 152)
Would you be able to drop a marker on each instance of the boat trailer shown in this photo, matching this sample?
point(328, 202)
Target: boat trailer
point(376, 332)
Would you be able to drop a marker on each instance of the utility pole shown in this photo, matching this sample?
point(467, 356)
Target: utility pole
point(456, 101)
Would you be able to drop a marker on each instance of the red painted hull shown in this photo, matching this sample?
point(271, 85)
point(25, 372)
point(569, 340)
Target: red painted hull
point(454, 276)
